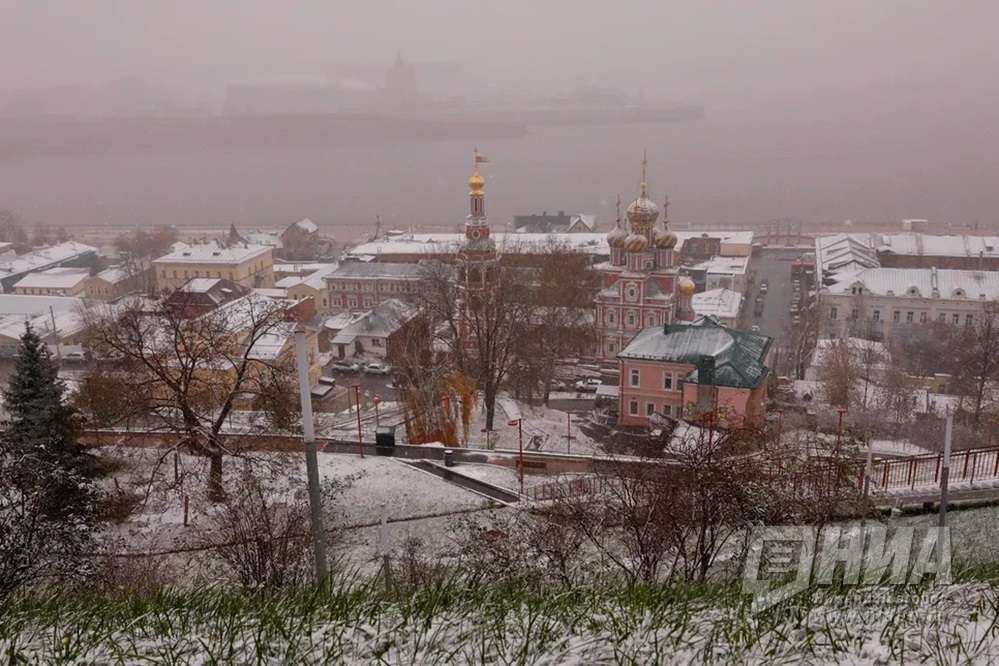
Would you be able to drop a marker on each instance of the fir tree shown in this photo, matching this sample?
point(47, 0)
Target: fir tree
point(42, 430)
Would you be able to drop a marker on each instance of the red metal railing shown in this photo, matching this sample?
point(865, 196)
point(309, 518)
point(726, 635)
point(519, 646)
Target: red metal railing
point(966, 466)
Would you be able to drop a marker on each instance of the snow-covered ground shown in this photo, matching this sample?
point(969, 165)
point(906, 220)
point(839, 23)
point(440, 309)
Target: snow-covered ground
point(377, 490)
point(542, 426)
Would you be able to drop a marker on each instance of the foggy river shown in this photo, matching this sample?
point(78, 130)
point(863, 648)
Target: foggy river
point(721, 169)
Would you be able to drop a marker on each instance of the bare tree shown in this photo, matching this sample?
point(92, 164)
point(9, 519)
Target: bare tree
point(980, 359)
point(186, 374)
point(838, 372)
point(264, 539)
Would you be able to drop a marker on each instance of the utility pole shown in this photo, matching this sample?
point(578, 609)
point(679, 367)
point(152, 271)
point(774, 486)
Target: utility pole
point(357, 399)
point(311, 458)
point(376, 400)
point(520, 444)
point(945, 468)
point(55, 334)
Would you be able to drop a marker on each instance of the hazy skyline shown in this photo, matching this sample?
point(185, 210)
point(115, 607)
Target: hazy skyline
point(716, 51)
point(827, 110)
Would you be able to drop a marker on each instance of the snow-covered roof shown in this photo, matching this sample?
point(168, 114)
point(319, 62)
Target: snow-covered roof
point(39, 259)
point(386, 318)
point(374, 270)
point(307, 225)
point(524, 243)
point(317, 279)
point(844, 253)
point(113, 275)
point(723, 265)
point(738, 355)
point(342, 319)
point(919, 283)
point(269, 346)
point(208, 253)
point(722, 303)
point(298, 268)
point(289, 281)
point(200, 285)
point(53, 278)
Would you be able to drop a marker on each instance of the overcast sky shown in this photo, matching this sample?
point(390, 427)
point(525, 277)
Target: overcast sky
point(706, 50)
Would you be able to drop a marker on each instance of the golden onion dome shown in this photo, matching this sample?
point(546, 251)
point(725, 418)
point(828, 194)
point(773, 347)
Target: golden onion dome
point(636, 243)
point(665, 239)
point(476, 183)
point(642, 211)
point(685, 286)
point(616, 236)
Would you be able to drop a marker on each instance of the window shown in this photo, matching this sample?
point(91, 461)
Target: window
point(376, 342)
point(635, 377)
point(956, 319)
point(942, 317)
point(668, 410)
point(922, 317)
point(832, 313)
point(896, 315)
point(853, 313)
point(650, 408)
point(611, 347)
point(610, 317)
point(633, 408)
point(908, 317)
point(876, 315)
point(631, 319)
point(969, 319)
point(650, 320)
point(668, 381)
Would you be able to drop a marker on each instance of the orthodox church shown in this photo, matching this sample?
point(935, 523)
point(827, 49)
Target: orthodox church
point(640, 285)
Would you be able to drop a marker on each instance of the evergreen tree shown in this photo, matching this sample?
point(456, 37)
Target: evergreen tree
point(41, 432)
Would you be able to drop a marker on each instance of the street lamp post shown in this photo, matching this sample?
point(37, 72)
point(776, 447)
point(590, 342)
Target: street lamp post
point(311, 458)
point(357, 400)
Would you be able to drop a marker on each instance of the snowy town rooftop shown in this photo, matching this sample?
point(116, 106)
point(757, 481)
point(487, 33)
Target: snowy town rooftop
point(53, 278)
point(723, 265)
point(207, 253)
point(919, 283)
point(33, 261)
point(113, 275)
point(721, 303)
point(375, 270)
point(588, 243)
point(739, 356)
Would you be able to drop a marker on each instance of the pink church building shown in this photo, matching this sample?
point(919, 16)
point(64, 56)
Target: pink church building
point(640, 285)
point(682, 370)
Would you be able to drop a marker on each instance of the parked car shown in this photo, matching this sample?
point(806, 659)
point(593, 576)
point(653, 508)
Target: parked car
point(589, 385)
point(327, 380)
point(345, 366)
point(75, 356)
point(376, 368)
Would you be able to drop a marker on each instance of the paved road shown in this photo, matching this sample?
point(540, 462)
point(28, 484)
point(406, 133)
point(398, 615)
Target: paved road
point(773, 265)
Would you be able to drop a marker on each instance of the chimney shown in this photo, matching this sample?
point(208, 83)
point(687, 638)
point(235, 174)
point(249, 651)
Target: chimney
point(706, 384)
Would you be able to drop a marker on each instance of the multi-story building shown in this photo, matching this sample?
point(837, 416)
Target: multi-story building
point(641, 285)
point(54, 282)
point(687, 370)
point(356, 284)
point(113, 283)
point(878, 302)
point(249, 266)
point(312, 286)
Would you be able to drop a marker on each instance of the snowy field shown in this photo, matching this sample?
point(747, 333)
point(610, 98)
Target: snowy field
point(378, 490)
